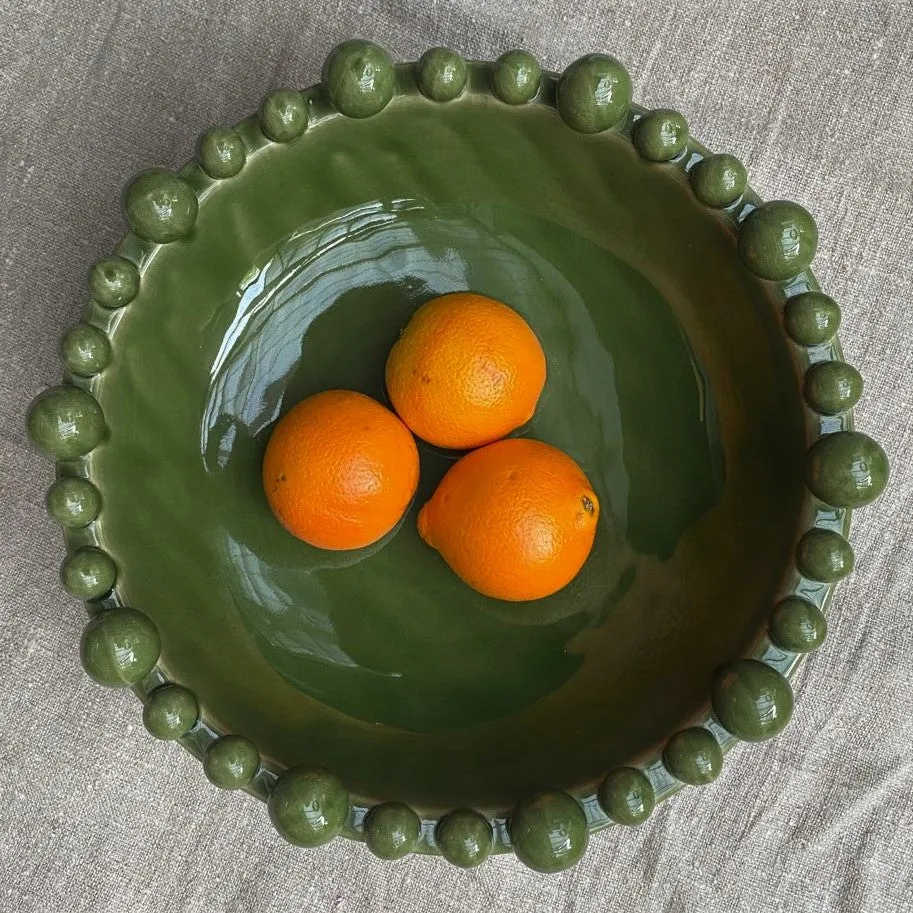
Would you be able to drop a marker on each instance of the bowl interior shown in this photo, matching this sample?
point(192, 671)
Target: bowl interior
point(668, 381)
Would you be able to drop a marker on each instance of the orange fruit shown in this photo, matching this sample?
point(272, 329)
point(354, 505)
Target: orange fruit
point(515, 520)
point(466, 371)
point(340, 470)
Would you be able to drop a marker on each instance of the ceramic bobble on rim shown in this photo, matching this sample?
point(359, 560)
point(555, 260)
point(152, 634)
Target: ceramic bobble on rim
point(65, 422)
point(283, 116)
point(516, 77)
point(594, 93)
point(170, 712)
point(161, 206)
point(359, 78)
point(308, 806)
point(73, 502)
point(120, 647)
point(661, 135)
point(392, 830)
point(222, 153)
point(442, 74)
point(464, 838)
point(549, 831)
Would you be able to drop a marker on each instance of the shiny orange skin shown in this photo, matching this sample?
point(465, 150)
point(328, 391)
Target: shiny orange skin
point(467, 370)
point(340, 470)
point(515, 520)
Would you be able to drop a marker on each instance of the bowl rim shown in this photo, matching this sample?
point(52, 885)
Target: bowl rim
point(763, 673)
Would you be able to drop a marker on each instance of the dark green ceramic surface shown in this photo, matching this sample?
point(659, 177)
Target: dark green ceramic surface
point(693, 373)
point(380, 664)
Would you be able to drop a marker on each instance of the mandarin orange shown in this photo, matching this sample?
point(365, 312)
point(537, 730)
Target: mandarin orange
point(467, 370)
point(340, 470)
point(515, 520)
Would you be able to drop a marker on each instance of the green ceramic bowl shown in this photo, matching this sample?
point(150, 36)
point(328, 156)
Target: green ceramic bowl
point(693, 372)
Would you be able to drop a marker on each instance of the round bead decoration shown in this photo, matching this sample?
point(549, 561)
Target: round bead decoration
point(308, 806)
point(627, 796)
point(811, 318)
point(73, 502)
point(120, 647)
point(798, 626)
point(442, 74)
point(832, 387)
point(549, 831)
point(85, 350)
point(752, 700)
point(594, 93)
point(824, 555)
point(778, 240)
point(88, 573)
point(464, 838)
point(283, 116)
point(718, 180)
point(222, 153)
point(161, 206)
point(661, 135)
point(113, 282)
point(847, 469)
point(360, 78)
point(392, 830)
point(231, 762)
point(694, 756)
point(516, 77)
point(65, 422)
point(170, 712)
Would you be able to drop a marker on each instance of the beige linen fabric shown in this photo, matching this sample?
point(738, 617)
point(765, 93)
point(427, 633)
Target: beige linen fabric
point(815, 96)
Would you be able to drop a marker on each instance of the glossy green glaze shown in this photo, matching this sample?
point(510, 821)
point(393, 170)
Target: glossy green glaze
point(694, 756)
point(752, 700)
point(824, 555)
point(661, 135)
point(392, 830)
point(85, 350)
point(798, 625)
point(516, 77)
point(669, 381)
point(113, 282)
point(238, 326)
point(594, 93)
point(847, 469)
point(549, 831)
point(359, 77)
point(778, 240)
point(222, 153)
point(119, 647)
point(442, 74)
point(283, 116)
point(231, 762)
point(719, 180)
point(170, 712)
point(627, 796)
point(832, 387)
point(73, 502)
point(464, 838)
point(811, 318)
point(65, 422)
point(87, 573)
point(308, 806)
point(161, 206)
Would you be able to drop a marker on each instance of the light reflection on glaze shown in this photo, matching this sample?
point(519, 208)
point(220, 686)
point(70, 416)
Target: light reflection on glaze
point(363, 272)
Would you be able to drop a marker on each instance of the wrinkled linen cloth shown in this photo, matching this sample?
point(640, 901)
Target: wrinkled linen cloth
point(816, 98)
